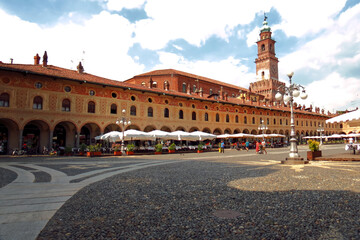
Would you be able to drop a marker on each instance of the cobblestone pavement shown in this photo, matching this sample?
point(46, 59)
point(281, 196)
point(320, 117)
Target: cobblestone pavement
point(198, 196)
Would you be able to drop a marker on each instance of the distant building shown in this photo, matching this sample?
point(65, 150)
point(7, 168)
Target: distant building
point(45, 105)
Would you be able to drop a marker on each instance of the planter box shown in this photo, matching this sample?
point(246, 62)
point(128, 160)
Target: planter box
point(97, 153)
point(200, 151)
point(158, 152)
point(90, 154)
point(129, 153)
point(312, 155)
point(171, 151)
point(117, 153)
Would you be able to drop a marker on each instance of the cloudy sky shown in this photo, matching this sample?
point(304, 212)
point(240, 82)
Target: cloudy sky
point(317, 39)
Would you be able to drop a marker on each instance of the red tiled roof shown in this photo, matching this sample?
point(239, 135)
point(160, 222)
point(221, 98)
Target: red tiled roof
point(54, 71)
point(173, 71)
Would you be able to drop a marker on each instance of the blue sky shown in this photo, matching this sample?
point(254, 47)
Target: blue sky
point(318, 40)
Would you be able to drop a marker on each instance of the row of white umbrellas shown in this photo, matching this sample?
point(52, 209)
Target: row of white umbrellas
point(246, 135)
point(132, 134)
point(335, 136)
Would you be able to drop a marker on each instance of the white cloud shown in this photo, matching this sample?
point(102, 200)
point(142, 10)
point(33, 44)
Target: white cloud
point(307, 16)
point(105, 38)
point(228, 70)
point(118, 5)
point(193, 21)
point(333, 92)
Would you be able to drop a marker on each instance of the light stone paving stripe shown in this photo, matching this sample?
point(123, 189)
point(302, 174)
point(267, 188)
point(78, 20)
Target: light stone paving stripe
point(23, 176)
point(26, 207)
point(56, 176)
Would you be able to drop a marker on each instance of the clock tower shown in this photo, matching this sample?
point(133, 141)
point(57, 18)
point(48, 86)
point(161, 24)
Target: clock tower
point(267, 76)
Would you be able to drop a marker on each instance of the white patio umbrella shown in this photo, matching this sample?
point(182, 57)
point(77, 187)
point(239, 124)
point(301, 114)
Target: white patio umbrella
point(334, 136)
point(203, 135)
point(133, 134)
point(276, 135)
point(223, 136)
point(181, 135)
point(112, 136)
point(242, 135)
point(159, 134)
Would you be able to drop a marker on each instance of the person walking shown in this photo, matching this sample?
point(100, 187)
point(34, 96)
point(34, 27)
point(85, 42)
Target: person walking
point(263, 146)
point(257, 147)
point(222, 147)
point(247, 145)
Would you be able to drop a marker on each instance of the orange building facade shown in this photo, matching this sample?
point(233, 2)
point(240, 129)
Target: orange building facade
point(44, 105)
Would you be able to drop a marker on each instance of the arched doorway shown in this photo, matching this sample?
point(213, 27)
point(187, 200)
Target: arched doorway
point(165, 128)
point(31, 139)
point(149, 128)
point(4, 136)
point(84, 135)
point(59, 137)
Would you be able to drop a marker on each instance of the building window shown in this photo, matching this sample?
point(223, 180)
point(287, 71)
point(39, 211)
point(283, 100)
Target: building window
point(91, 107)
point(206, 117)
point(38, 102)
point(166, 113)
point(237, 119)
point(210, 92)
point(38, 85)
point(184, 87)
point(150, 100)
point(143, 84)
point(113, 109)
point(307, 123)
point(181, 114)
point(65, 105)
point(245, 120)
point(91, 92)
point(67, 89)
point(287, 122)
point(280, 121)
point(4, 100)
point(297, 123)
point(194, 88)
point(193, 105)
point(154, 85)
point(253, 120)
point(263, 47)
point(227, 118)
point(274, 121)
point(114, 95)
point(217, 117)
point(150, 112)
point(133, 98)
point(310, 123)
point(133, 111)
point(193, 115)
point(268, 121)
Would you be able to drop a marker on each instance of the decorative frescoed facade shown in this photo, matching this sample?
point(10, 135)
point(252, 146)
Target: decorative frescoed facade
point(44, 105)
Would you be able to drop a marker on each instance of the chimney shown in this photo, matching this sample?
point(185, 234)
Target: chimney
point(45, 59)
point(11, 61)
point(80, 68)
point(37, 59)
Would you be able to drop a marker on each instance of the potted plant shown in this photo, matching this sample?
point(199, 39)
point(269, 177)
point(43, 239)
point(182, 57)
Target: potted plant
point(314, 150)
point(117, 151)
point(200, 148)
point(97, 150)
point(91, 151)
point(68, 151)
point(172, 148)
point(158, 148)
point(130, 149)
point(82, 149)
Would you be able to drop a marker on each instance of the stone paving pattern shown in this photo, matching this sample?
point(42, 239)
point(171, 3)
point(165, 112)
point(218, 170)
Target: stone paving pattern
point(227, 198)
point(236, 195)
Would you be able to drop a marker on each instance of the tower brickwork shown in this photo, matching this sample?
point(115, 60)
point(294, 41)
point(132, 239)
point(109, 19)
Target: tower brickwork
point(267, 76)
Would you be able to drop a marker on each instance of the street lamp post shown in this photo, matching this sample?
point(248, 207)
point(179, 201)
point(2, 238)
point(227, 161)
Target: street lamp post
point(321, 130)
point(262, 126)
point(123, 121)
point(289, 93)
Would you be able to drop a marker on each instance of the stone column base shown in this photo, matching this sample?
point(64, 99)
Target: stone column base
point(293, 161)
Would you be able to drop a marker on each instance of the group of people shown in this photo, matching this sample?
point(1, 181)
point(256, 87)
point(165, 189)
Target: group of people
point(260, 147)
